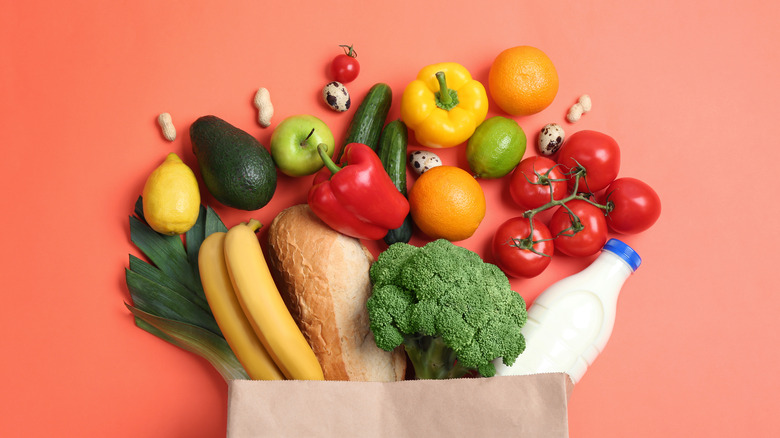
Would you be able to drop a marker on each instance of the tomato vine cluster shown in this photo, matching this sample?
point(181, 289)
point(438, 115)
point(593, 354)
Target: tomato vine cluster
point(587, 199)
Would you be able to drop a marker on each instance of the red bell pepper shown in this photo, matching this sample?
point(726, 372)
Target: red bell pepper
point(358, 199)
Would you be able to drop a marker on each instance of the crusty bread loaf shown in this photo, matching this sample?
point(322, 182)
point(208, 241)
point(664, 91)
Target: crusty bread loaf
point(323, 278)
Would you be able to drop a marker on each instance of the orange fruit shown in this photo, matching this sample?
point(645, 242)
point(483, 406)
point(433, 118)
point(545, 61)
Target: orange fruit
point(522, 80)
point(447, 202)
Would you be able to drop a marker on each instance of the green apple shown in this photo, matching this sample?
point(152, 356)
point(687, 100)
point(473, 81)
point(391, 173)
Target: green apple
point(294, 144)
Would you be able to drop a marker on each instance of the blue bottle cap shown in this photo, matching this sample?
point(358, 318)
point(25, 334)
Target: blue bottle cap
point(625, 252)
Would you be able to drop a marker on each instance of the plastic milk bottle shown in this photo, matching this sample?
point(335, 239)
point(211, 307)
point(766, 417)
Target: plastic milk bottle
point(570, 323)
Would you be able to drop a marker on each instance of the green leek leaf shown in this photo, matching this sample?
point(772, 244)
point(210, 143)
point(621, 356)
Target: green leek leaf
point(155, 275)
point(167, 294)
point(194, 339)
point(139, 208)
point(163, 301)
point(213, 222)
point(166, 252)
point(193, 239)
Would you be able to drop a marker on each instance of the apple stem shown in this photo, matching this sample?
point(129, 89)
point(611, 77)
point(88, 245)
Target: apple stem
point(322, 149)
point(305, 140)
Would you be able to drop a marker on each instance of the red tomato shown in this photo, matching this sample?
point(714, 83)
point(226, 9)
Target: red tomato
point(345, 67)
point(581, 232)
point(635, 206)
point(533, 180)
point(518, 252)
point(598, 153)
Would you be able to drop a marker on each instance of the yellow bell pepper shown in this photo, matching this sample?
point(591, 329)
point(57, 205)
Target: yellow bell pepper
point(444, 105)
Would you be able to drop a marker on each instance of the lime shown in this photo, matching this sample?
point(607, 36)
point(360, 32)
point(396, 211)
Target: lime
point(495, 148)
point(171, 199)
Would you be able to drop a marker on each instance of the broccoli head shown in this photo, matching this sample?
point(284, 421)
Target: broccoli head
point(452, 312)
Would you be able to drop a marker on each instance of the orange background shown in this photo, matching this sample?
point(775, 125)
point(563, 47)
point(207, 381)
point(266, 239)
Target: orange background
point(689, 92)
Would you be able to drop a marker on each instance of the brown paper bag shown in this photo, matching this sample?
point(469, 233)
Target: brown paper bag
point(517, 406)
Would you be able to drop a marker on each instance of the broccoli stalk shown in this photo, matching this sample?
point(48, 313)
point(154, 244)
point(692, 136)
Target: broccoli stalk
point(432, 359)
point(452, 312)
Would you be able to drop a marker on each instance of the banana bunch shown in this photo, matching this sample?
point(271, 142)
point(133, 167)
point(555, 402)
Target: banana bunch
point(250, 311)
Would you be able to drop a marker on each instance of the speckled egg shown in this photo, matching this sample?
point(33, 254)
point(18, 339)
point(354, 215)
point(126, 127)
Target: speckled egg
point(550, 139)
point(336, 96)
point(423, 160)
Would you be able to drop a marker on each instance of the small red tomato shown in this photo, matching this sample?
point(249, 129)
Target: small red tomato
point(580, 232)
point(634, 205)
point(345, 67)
point(518, 251)
point(534, 179)
point(598, 153)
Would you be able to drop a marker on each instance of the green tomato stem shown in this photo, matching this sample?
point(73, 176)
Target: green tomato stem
point(348, 50)
point(528, 242)
point(578, 173)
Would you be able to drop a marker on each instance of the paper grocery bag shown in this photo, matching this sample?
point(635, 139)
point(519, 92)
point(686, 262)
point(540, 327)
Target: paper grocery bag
point(516, 406)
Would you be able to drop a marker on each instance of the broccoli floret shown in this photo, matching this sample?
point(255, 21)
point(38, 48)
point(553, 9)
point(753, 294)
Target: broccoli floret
point(392, 258)
point(452, 312)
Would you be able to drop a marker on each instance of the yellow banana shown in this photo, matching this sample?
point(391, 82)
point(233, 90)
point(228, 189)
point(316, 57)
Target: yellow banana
point(264, 307)
point(228, 313)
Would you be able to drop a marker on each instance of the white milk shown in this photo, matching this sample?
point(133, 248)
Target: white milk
point(570, 323)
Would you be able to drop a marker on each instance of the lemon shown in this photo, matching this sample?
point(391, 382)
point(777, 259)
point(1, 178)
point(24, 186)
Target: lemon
point(496, 147)
point(171, 197)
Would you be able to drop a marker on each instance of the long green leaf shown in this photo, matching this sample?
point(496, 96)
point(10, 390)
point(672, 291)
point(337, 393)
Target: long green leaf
point(194, 339)
point(166, 252)
point(213, 222)
point(139, 208)
point(155, 275)
point(168, 294)
point(194, 238)
point(140, 323)
point(162, 301)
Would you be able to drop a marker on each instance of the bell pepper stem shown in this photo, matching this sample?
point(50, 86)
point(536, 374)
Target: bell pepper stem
point(444, 92)
point(322, 149)
point(446, 98)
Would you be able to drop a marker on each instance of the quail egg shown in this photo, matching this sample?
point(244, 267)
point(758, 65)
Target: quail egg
point(550, 139)
point(336, 96)
point(423, 160)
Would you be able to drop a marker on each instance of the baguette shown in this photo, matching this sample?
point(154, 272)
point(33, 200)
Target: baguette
point(323, 278)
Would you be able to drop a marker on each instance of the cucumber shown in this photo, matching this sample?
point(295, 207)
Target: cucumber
point(369, 118)
point(392, 152)
point(402, 233)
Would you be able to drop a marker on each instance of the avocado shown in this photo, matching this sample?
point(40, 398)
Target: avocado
point(237, 170)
